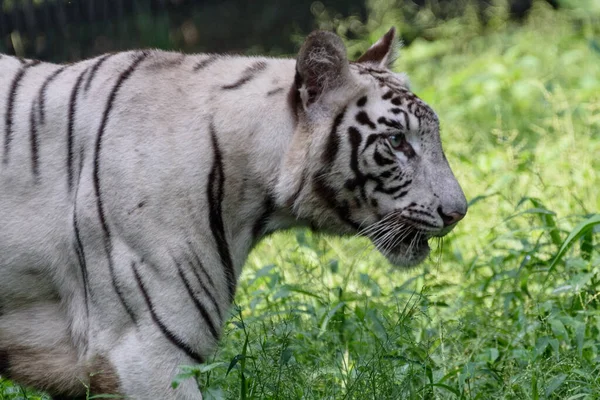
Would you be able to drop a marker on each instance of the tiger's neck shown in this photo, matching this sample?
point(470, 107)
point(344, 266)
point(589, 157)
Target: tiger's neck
point(251, 161)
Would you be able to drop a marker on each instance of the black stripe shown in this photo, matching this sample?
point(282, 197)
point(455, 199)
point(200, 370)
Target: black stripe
point(93, 71)
point(400, 195)
point(394, 189)
point(4, 363)
point(10, 107)
point(205, 63)
point(197, 303)
point(165, 61)
point(407, 119)
point(404, 114)
point(419, 222)
point(33, 142)
point(203, 285)
point(381, 160)
point(328, 195)
point(165, 331)
point(390, 123)
point(274, 91)
point(248, 74)
point(200, 265)
point(360, 180)
point(370, 140)
point(216, 178)
point(333, 142)
point(237, 84)
point(78, 244)
point(355, 140)
point(260, 224)
point(71, 126)
point(421, 212)
point(107, 237)
point(81, 258)
point(42, 92)
point(364, 119)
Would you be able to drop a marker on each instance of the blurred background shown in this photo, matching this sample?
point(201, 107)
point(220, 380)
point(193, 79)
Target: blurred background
point(68, 30)
point(508, 305)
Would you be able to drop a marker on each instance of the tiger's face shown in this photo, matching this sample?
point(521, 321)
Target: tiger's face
point(378, 168)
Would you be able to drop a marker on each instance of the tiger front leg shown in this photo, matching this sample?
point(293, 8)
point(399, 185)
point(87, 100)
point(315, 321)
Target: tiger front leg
point(142, 366)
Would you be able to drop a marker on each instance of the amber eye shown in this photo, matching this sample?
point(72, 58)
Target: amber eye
point(396, 141)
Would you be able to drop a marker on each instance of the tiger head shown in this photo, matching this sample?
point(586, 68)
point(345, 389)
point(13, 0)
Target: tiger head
point(366, 157)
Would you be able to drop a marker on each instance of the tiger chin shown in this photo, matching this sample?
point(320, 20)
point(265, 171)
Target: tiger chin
point(134, 185)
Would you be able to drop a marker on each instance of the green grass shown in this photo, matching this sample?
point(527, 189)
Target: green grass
point(508, 306)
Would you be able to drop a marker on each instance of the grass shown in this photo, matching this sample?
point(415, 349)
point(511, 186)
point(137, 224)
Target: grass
point(508, 306)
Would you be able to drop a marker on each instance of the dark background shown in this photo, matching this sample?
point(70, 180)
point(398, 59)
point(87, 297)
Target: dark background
point(68, 30)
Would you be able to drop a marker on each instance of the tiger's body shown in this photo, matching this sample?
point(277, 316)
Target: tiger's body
point(134, 185)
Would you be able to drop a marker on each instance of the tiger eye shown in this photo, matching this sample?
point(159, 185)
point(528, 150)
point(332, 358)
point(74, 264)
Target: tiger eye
point(399, 143)
point(396, 141)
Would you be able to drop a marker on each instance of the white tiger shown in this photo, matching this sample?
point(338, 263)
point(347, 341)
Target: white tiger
point(134, 185)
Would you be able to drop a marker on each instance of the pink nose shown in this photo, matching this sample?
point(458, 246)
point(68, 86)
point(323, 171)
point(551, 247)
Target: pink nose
point(451, 218)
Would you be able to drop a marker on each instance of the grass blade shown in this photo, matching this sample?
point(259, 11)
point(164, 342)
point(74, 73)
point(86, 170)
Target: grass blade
point(580, 230)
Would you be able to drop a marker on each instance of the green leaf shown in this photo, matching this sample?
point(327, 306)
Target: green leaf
point(541, 345)
point(578, 396)
point(204, 368)
point(213, 394)
point(555, 384)
point(494, 354)
point(447, 387)
point(286, 354)
point(329, 315)
point(575, 234)
point(587, 245)
point(234, 362)
point(559, 330)
point(534, 389)
point(546, 216)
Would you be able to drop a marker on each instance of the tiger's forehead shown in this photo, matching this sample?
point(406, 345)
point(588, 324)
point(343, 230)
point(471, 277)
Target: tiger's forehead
point(393, 88)
point(384, 77)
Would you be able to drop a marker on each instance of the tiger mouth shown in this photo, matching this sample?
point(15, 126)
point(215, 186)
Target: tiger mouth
point(408, 251)
point(414, 240)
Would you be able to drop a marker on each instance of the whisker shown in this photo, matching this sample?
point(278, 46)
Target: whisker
point(403, 235)
point(385, 230)
point(372, 226)
point(439, 250)
point(412, 243)
point(391, 240)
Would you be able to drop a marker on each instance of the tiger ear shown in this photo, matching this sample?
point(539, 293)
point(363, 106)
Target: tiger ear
point(322, 65)
point(384, 52)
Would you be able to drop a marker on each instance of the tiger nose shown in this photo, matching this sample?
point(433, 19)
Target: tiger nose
point(450, 218)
